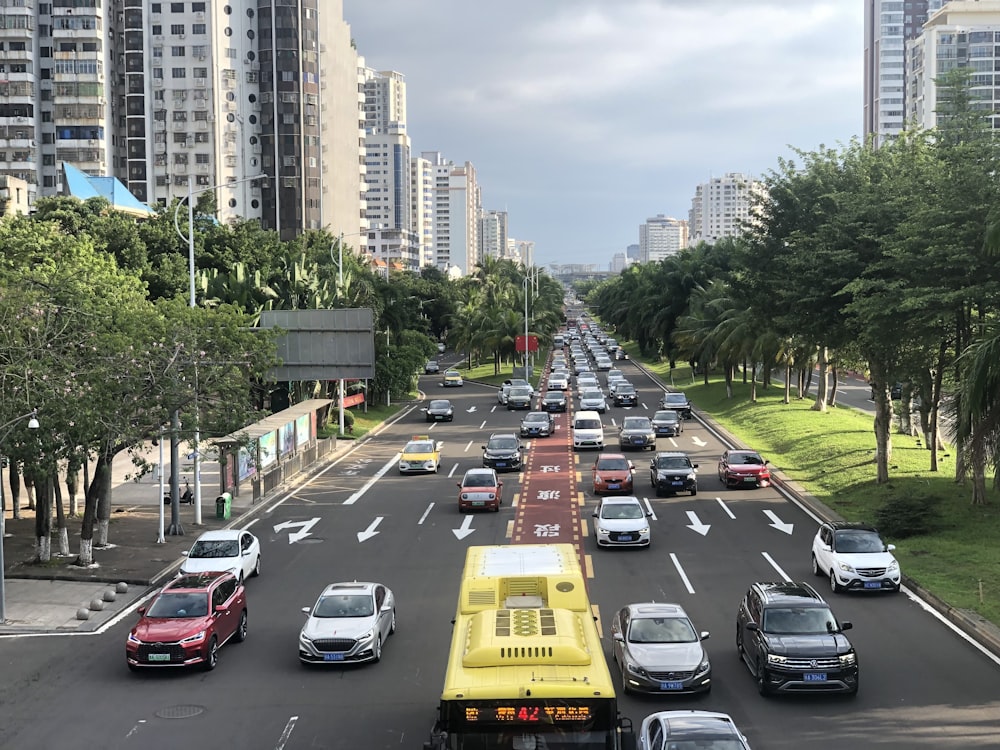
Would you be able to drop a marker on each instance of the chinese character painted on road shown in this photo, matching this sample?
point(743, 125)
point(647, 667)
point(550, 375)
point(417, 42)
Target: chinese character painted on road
point(550, 469)
point(546, 529)
point(548, 494)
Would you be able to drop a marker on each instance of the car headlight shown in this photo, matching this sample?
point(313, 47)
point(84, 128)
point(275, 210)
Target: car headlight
point(304, 639)
point(133, 639)
point(644, 530)
point(703, 667)
point(690, 476)
point(776, 659)
point(492, 496)
point(365, 637)
point(845, 567)
point(848, 660)
point(194, 638)
point(602, 530)
point(635, 669)
point(894, 565)
point(597, 478)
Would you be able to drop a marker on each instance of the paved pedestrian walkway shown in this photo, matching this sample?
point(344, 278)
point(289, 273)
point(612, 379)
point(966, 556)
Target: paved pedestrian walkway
point(48, 598)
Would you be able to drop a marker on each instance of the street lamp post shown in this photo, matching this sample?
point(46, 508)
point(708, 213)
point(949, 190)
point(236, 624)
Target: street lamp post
point(191, 302)
point(340, 286)
point(32, 417)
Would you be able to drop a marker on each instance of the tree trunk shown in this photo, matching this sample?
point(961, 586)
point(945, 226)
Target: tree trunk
point(729, 380)
point(978, 466)
point(788, 383)
point(29, 488)
point(103, 507)
point(60, 518)
point(72, 482)
point(14, 482)
point(43, 519)
point(86, 556)
point(753, 385)
point(831, 398)
point(821, 386)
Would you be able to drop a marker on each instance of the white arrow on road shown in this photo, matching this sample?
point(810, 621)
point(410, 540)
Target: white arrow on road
point(471, 409)
point(370, 531)
point(698, 441)
point(465, 530)
point(697, 525)
point(778, 523)
point(302, 526)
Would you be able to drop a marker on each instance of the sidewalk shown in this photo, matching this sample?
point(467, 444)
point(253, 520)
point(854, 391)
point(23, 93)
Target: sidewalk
point(47, 598)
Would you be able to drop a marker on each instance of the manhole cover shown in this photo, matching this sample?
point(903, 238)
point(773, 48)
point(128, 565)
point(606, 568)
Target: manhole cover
point(180, 712)
point(310, 540)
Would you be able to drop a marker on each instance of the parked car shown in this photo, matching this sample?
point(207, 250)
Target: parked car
point(538, 424)
point(673, 472)
point(688, 730)
point(636, 432)
point(350, 622)
point(621, 522)
point(432, 367)
point(625, 395)
point(502, 451)
point(667, 423)
point(658, 650)
point(232, 550)
point(743, 468)
point(791, 641)
point(554, 401)
point(519, 397)
point(593, 400)
point(188, 621)
point(612, 473)
point(439, 410)
point(854, 557)
point(480, 488)
point(678, 402)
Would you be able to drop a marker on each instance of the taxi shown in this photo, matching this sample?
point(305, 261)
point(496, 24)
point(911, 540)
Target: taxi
point(452, 379)
point(421, 454)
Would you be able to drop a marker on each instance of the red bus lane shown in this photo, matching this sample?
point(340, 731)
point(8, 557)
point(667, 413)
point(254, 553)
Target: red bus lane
point(548, 509)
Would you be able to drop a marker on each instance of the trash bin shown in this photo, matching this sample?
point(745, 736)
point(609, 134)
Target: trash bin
point(224, 506)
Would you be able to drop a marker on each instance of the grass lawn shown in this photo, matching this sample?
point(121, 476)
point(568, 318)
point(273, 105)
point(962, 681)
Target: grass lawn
point(483, 372)
point(832, 455)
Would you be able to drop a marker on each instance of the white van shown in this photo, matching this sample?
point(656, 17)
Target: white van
point(588, 432)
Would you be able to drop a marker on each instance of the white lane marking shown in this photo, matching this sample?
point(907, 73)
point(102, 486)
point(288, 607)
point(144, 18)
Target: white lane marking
point(433, 425)
point(135, 729)
point(681, 573)
point(247, 527)
point(725, 508)
point(453, 470)
point(777, 567)
point(302, 526)
point(285, 735)
point(469, 445)
point(364, 536)
point(378, 475)
point(482, 424)
point(778, 523)
point(318, 474)
point(426, 513)
point(649, 508)
point(698, 441)
point(465, 530)
point(696, 525)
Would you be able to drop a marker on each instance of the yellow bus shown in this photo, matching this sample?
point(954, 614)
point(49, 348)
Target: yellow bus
point(526, 668)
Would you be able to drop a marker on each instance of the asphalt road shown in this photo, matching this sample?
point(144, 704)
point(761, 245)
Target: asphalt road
point(922, 686)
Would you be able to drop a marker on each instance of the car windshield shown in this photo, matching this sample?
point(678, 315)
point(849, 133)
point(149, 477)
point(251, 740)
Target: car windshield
point(344, 605)
point(672, 462)
point(559, 397)
point(858, 541)
point(440, 405)
point(674, 398)
point(745, 458)
point(215, 548)
point(479, 480)
point(518, 382)
point(453, 374)
point(621, 510)
point(665, 416)
point(502, 444)
point(799, 621)
point(592, 395)
point(704, 742)
point(421, 447)
point(587, 424)
point(188, 604)
point(520, 391)
point(612, 464)
point(662, 630)
point(626, 388)
point(635, 423)
point(537, 417)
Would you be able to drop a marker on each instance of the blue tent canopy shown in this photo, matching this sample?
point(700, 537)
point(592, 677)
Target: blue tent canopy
point(79, 184)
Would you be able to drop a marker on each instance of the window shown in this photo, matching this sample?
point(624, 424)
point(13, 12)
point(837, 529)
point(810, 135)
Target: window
point(178, 51)
point(176, 7)
point(176, 28)
point(156, 8)
point(198, 28)
point(157, 29)
point(178, 72)
point(198, 7)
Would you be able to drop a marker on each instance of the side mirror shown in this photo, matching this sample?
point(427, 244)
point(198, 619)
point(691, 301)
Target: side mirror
point(220, 608)
point(890, 547)
point(694, 466)
point(594, 515)
point(141, 611)
point(752, 626)
point(618, 636)
point(704, 635)
point(846, 625)
point(306, 610)
point(458, 484)
point(424, 408)
point(499, 484)
point(184, 553)
point(649, 514)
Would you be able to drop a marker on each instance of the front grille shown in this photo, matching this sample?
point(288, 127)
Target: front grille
point(871, 572)
point(828, 663)
point(670, 676)
point(334, 644)
point(175, 650)
point(615, 535)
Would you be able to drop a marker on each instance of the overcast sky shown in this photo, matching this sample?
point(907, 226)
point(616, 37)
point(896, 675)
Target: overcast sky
point(585, 117)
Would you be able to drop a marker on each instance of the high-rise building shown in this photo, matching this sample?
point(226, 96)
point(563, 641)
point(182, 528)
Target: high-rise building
point(889, 24)
point(963, 34)
point(456, 207)
point(632, 253)
point(721, 207)
point(199, 95)
point(660, 237)
point(619, 262)
point(493, 235)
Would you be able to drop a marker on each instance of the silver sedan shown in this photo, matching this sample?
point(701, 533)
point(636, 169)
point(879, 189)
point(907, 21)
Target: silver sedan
point(349, 622)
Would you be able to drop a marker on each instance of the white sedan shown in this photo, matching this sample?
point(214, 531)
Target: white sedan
point(232, 550)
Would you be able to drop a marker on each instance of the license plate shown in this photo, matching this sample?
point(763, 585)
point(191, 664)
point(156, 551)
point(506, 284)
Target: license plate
point(333, 657)
point(677, 484)
point(624, 537)
point(815, 677)
point(501, 464)
point(671, 686)
point(873, 584)
point(158, 657)
point(477, 503)
point(438, 416)
point(750, 480)
point(614, 486)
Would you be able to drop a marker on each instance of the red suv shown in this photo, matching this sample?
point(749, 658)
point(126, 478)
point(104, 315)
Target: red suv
point(188, 621)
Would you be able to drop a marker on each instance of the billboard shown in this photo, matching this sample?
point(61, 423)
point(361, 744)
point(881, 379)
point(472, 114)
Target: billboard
point(532, 343)
point(323, 344)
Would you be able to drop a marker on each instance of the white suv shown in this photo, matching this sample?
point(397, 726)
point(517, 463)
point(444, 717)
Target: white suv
point(853, 556)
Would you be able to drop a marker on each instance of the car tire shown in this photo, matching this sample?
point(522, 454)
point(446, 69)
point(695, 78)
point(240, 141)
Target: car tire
point(834, 586)
point(694, 491)
point(256, 568)
point(817, 570)
point(211, 655)
point(392, 622)
point(761, 679)
point(739, 643)
point(241, 630)
point(377, 650)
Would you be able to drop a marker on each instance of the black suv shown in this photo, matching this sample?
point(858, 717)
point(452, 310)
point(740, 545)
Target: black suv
point(672, 473)
point(678, 402)
point(502, 452)
point(792, 642)
point(625, 395)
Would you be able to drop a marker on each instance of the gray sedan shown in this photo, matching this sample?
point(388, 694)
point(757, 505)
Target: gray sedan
point(637, 432)
point(658, 650)
point(349, 622)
